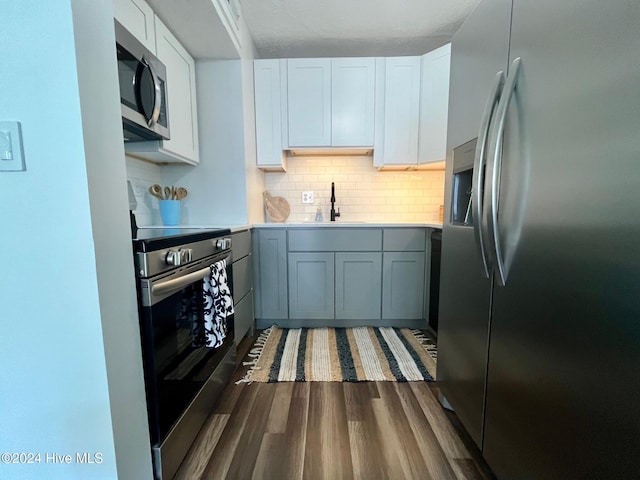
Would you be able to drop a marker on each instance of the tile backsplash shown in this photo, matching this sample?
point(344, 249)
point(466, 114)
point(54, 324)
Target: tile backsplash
point(362, 192)
point(142, 175)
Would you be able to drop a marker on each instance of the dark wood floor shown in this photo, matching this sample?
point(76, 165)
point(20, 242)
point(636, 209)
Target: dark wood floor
point(329, 430)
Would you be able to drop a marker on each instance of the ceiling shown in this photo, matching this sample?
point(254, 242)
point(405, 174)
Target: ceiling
point(348, 28)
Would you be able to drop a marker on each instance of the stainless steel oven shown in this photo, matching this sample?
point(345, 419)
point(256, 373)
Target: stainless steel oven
point(183, 377)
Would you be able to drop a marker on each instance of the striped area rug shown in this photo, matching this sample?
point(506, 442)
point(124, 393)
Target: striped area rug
point(341, 355)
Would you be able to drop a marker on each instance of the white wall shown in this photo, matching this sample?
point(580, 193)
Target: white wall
point(104, 150)
point(226, 187)
point(217, 185)
point(69, 351)
point(255, 178)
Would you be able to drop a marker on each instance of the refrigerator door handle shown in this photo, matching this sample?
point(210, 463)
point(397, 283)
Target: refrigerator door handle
point(479, 162)
point(497, 133)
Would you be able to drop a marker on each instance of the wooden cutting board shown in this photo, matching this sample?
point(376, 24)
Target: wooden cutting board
point(277, 208)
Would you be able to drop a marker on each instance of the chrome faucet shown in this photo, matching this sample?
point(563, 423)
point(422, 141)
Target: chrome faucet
point(334, 214)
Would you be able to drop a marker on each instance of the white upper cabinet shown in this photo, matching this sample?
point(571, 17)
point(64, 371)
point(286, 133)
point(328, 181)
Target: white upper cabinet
point(137, 17)
point(181, 105)
point(181, 101)
point(268, 90)
point(352, 102)
point(397, 111)
point(309, 102)
point(434, 105)
point(397, 105)
point(330, 102)
point(412, 105)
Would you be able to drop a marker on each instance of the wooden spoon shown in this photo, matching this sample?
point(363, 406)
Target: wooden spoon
point(181, 193)
point(167, 193)
point(156, 191)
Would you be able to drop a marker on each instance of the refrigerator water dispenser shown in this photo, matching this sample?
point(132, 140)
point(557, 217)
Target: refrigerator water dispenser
point(462, 182)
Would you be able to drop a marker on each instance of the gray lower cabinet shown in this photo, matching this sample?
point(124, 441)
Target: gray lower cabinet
point(403, 285)
point(340, 276)
point(324, 285)
point(270, 252)
point(357, 286)
point(311, 286)
point(242, 281)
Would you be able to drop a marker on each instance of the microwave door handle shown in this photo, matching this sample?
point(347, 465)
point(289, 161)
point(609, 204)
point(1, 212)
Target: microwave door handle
point(157, 104)
point(501, 115)
point(479, 161)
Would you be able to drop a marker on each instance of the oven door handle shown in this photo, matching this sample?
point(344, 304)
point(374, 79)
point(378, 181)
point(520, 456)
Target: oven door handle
point(170, 286)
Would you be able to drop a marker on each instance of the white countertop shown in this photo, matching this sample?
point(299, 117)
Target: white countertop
point(239, 228)
point(347, 224)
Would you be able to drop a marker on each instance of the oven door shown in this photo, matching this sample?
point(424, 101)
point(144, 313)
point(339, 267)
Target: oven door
point(177, 364)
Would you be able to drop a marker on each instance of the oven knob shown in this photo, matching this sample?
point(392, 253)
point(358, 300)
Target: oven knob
point(173, 258)
point(182, 256)
point(223, 244)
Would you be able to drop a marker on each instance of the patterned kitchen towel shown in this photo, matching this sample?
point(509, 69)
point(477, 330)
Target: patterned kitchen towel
point(218, 304)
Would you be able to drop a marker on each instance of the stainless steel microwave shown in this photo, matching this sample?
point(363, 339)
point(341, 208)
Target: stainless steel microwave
point(143, 90)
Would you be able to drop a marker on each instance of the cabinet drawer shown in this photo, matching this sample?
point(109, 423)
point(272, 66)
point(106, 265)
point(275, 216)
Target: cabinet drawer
point(242, 273)
point(241, 244)
point(243, 317)
point(404, 239)
point(337, 239)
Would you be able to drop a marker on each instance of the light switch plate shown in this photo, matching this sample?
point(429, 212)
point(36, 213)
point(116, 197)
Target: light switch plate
point(11, 152)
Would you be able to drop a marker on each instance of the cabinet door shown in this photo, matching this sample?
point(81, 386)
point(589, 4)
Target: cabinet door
point(181, 95)
point(401, 110)
point(358, 285)
point(434, 105)
point(311, 285)
point(137, 17)
point(403, 285)
point(272, 273)
point(352, 102)
point(266, 77)
point(309, 102)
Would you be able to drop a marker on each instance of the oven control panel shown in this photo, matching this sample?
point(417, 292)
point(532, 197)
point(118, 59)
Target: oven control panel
point(166, 259)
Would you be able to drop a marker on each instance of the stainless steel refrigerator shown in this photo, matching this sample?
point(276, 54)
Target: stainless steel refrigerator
point(539, 322)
